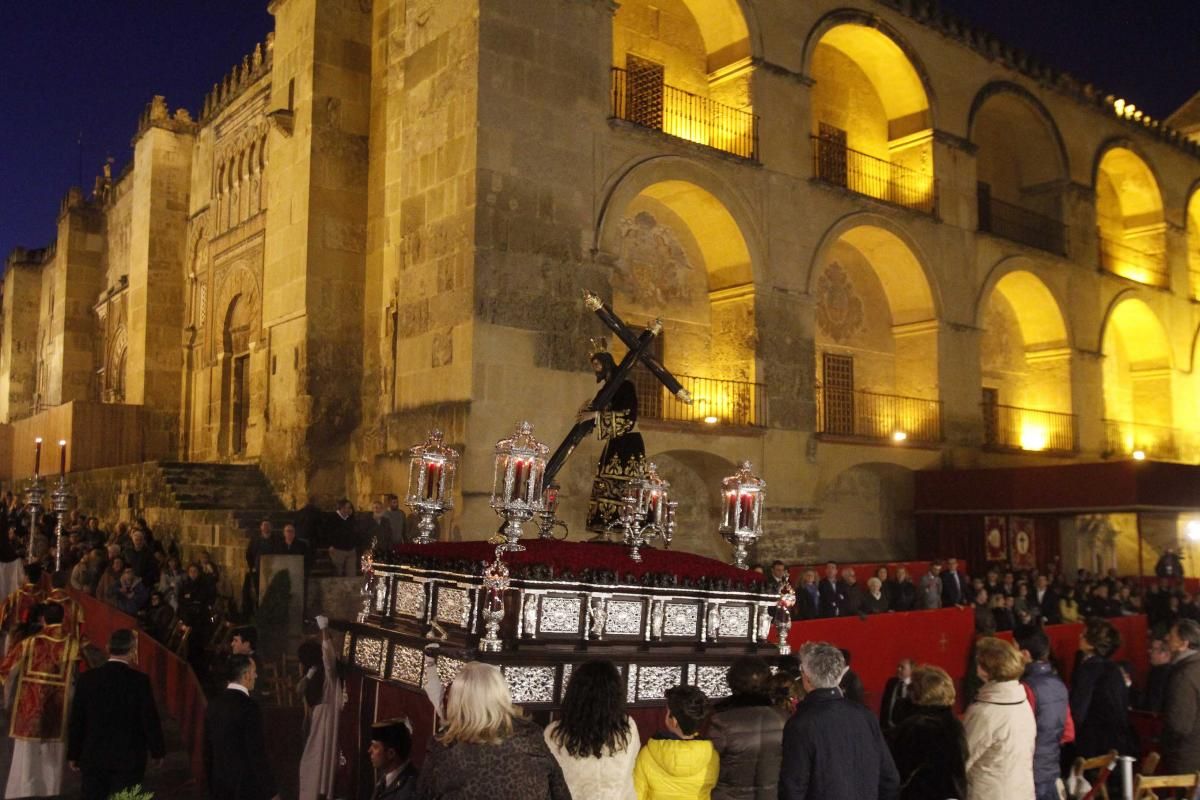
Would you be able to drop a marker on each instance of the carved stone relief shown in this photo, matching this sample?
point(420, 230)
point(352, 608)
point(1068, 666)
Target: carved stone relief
point(652, 268)
point(839, 309)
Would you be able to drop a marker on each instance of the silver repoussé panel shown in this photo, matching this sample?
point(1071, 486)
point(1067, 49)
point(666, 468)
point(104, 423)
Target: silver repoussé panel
point(453, 605)
point(410, 599)
point(624, 617)
point(408, 665)
point(530, 684)
point(680, 619)
point(711, 681)
point(560, 615)
point(653, 682)
point(368, 654)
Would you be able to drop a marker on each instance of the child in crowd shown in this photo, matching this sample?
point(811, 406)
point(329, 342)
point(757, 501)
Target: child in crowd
point(675, 764)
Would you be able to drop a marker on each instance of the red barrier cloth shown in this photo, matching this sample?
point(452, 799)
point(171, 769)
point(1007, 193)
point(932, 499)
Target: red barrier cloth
point(178, 691)
point(563, 558)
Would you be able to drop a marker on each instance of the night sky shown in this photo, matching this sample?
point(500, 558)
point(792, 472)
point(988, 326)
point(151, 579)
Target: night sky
point(71, 67)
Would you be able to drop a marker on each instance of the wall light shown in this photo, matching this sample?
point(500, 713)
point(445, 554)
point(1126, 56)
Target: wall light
point(899, 436)
point(1139, 455)
point(711, 420)
point(1193, 530)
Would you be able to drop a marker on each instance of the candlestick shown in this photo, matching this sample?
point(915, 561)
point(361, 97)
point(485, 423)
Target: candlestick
point(62, 456)
point(37, 456)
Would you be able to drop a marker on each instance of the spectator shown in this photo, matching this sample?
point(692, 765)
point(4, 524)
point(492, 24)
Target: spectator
point(903, 596)
point(235, 752)
point(1068, 606)
point(396, 520)
point(594, 741)
point(778, 577)
point(114, 722)
point(830, 591)
point(1169, 566)
point(1099, 696)
point(487, 751)
point(747, 733)
point(954, 585)
point(169, 581)
point(1000, 727)
point(1181, 719)
point(130, 595)
point(992, 584)
point(896, 703)
point(1002, 616)
point(874, 601)
point(377, 531)
point(808, 597)
point(931, 586)
point(264, 544)
point(1051, 707)
point(1046, 600)
point(160, 617)
point(208, 569)
point(1154, 695)
point(929, 745)
point(292, 545)
point(396, 777)
point(852, 593)
point(832, 748)
point(1022, 607)
point(322, 692)
point(106, 585)
point(675, 764)
point(341, 538)
point(139, 556)
point(851, 685)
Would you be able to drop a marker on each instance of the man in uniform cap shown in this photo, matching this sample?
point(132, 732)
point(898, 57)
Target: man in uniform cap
point(391, 742)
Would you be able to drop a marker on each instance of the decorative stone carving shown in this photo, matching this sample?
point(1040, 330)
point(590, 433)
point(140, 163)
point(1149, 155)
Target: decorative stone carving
point(652, 267)
point(839, 309)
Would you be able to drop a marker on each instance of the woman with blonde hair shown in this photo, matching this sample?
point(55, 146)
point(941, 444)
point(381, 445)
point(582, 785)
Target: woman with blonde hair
point(1000, 726)
point(487, 750)
point(929, 745)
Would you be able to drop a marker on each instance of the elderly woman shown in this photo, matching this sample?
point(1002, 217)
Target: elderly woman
point(1000, 727)
point(487, 750)
point(929, 745)
point(1099, 696)
point(595, 742)
point(874, 601)
point(747, 732)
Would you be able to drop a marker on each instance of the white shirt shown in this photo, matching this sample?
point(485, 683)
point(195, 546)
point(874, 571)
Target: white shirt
point(239, 687)
point(393, 776)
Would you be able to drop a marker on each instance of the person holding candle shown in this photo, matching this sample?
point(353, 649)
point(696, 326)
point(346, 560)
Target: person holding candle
point(624, 451)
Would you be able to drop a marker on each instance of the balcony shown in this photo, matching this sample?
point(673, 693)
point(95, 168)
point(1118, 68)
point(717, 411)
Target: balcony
point(1145, 264)
point(716, 403)
point(1139, 441)
point(684, 115)
point(871, 416)
point(1011, 428)
point(838, 165)
point(1020, 225)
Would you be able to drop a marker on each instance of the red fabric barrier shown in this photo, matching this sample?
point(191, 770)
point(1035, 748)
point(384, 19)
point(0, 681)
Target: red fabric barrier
point(862, 571)
point(178, 690)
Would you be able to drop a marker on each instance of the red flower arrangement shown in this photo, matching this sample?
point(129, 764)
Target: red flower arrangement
point(599, 563)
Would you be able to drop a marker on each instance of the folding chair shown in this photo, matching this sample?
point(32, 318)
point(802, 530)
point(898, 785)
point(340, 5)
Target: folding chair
point(1144, 786)
point(1105, 764)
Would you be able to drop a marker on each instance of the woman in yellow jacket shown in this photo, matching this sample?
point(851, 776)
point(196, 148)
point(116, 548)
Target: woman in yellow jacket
point(674, 764)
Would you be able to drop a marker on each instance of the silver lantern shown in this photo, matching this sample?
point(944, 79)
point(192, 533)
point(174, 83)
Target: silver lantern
point(647, 512)
point(431, 471)
point(741, 511)
point(517, 483)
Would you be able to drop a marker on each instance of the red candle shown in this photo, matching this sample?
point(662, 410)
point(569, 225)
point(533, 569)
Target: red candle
point(730, 505)
point(433, 480)
point(652, 507)
point(37, 456)
point(520, 477)
point(62, 456)
point(747, 502)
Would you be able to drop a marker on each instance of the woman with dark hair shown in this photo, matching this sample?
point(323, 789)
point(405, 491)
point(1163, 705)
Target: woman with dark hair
point(747, 732)
point(1099, 696)
point(595, 742)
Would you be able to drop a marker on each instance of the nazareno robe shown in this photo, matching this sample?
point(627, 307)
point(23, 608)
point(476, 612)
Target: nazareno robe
point(620, 461)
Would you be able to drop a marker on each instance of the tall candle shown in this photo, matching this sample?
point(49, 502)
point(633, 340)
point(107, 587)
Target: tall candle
point(62, 456)
point(747, 501)
point(730, 506)
point(433, 480)
point(37, 455)
point(520, 476)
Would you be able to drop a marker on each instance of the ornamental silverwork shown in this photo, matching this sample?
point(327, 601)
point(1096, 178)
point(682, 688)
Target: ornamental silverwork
point(624, 617)
point(560, 615)
point(681, 619)
point(408, 665)
point(531, 684)
point(712, 681)
point(653, 682)
point(410, 599)
point(453, 605)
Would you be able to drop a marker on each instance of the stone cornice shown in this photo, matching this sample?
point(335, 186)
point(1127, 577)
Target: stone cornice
point(782, 71)
point(953, 140)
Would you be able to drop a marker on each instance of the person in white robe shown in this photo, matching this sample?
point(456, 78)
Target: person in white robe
point(323, 701)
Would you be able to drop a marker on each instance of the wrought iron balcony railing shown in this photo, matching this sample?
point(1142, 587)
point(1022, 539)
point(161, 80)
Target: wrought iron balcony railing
point(878, 417)
point(1142, 263)
point(1141, 441)
point(1027, 429)
point(685, 115)
point(1021, 225)
point(715, 402)
point(838, 165)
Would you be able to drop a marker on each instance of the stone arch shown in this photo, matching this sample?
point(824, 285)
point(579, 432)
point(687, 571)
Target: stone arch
point(678, 253)
point(867, 513)
point(115, 366)
point(696, 475)
point(996, 89)
point(1138, 374)
point(239, 284)
point(1025, 364)
point(1192, 215)
point(1129, 214)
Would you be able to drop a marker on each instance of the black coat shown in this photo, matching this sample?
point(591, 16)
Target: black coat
point(895, 705)
point(1048, 606)
point(403, 788)
point(338, 533)
point(1099, 707)
point(746, 731)
point(235, 751)
point(831, 597)
point(114, 721)
point(902, 595)
point(833, 750)
point(954, 595)
point(930, 749)
point(298, 547)
point(520, 767)
point(807, 607)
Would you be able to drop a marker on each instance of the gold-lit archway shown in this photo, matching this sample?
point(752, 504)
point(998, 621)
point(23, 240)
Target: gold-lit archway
point(1025, 362)
point(1138, 381)
point(679, 255)
point(876, 338)
point(872, 125)
point(1021, 167)
point(1129, 215)
point(1193, 243)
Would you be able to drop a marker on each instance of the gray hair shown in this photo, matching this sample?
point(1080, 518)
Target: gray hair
point(1189, 631)
point(823, 664)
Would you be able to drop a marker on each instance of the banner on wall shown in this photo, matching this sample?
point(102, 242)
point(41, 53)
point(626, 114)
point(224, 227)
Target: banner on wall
point(1022, 542)
point(995, 536)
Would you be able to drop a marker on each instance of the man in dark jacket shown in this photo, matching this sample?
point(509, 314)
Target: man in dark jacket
point(1050, 704)
point(832, 748)
point(235, 750)
point(954, 585)
point(1047, 601)
point(903, 593)
point(1181, 716)
point(396, 777)
point(1154, 695)
point(1169, 566)
point(747, 732)
point(896, 702)
point(114, 722)
point(341, 537)
point(830, 591)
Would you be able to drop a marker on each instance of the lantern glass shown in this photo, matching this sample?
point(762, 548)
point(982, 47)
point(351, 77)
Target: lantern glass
point(742, 497)
point(432, 468)
point(519, 469)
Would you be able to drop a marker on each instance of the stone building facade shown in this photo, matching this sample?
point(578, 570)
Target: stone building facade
point(879, 241)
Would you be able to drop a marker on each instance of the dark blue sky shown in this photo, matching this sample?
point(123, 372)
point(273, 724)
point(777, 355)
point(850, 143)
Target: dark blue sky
point(90, 66)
